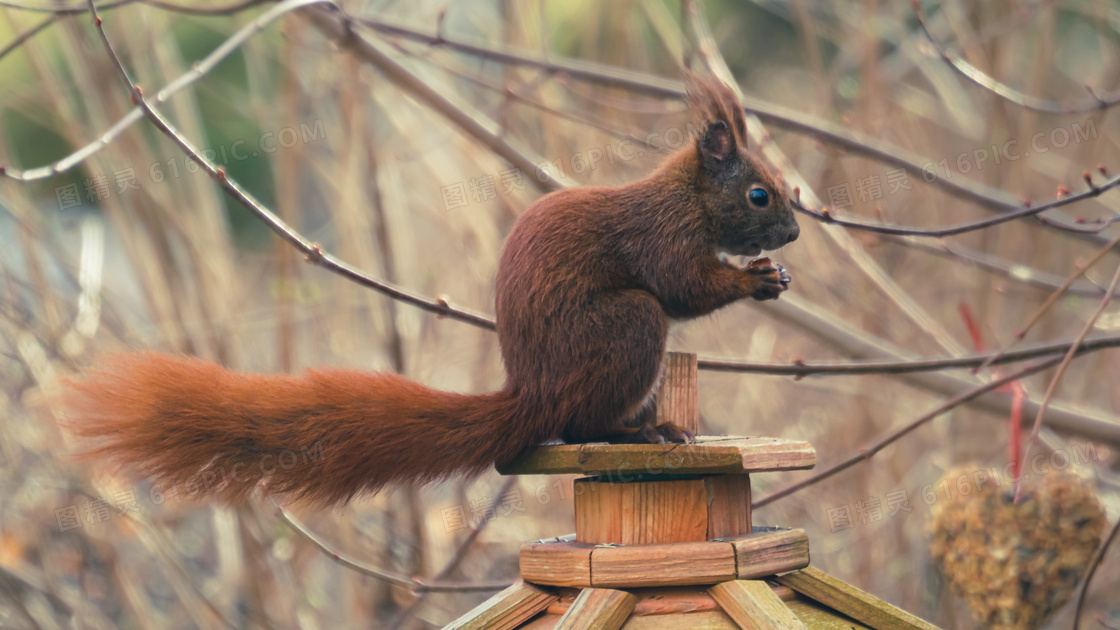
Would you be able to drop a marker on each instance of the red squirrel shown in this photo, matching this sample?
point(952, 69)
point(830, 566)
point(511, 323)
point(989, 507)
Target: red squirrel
point(588, 281)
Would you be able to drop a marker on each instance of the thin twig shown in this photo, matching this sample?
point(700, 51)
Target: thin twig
point(451, 565)
point(800, 368)
point(827, 216)
point(78, 9)
point(23, 37)
point(1066, 360)
point(1053, 297)
point(186, 9)
point(866, 452)
point(1098, 557)
point(313, 252)
point(197, 71)
point(1006, 92)
point(1080, 271)
point(995, 264)
point(414, 584)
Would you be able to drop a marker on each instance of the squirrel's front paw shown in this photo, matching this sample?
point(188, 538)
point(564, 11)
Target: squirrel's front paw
point(769, 278)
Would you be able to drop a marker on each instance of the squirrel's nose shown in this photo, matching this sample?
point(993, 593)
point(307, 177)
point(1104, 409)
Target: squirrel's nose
point(794, 232)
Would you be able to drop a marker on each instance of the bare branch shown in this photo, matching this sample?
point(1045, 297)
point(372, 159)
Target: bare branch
point(198, 70)
point(414, 584)
point(867, 452)
point(1061, 371)
point(995, 264)
point(451, 565)
point(313, 252)
point(801, 368)
point(972, 73)
point(186, 9)
point(855, 142)
point(23, 37)
point(826, 216)
point(1093, 564)
point(78, 9)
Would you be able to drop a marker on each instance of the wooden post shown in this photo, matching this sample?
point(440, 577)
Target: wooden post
point(678, 399)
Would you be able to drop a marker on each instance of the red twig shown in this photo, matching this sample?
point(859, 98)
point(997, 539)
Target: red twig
point(1015, 426)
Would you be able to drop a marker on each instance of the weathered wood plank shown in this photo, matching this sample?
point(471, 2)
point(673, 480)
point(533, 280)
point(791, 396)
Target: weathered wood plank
point(598, 609)
point(598, 508)
point(729, 505)
point(754, 606)
point(506, 610)
point(548, 459)
point(576, 564)
point(556, 564)
point(669, 511)
point(667, 600)
point(706, 620)
point(628, 462)
point(817, 616)
point(851, 601)
point(678, 399)
point(770, 552)
point(640, 512)
point(662, 565)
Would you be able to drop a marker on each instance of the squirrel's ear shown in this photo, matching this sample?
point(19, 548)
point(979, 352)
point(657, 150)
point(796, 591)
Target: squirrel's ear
point(718, 143)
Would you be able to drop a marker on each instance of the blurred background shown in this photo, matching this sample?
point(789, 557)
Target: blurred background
point(373, 156)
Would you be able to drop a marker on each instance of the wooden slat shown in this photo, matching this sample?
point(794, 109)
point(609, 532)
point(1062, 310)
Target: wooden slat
point(506, 610)
point(598, 609)
point(851, 601)
point(678, 399)
point(629, 462)
point(729, 505)
point(770, 552)
point(598, 508)
point(754, 606)
point(549, 459)
point(649, 460)
point(574, 564)
point(667, 600)
point(817, 616)
point(556, 564)
point(665, 511)
point(706, 620)
point(662, 565)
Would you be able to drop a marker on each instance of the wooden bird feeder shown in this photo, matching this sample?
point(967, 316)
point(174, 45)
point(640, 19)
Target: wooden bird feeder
point(664, 539)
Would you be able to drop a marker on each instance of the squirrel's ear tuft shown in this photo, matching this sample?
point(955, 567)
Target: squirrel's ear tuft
point(720, 115)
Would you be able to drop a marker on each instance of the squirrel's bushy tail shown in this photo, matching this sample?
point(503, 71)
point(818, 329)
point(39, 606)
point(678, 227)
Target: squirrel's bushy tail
point(326, 435)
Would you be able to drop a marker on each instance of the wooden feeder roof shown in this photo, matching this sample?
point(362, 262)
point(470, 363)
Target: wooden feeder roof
point(805, 599)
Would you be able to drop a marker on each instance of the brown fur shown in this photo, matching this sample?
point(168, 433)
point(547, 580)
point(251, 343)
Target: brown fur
point(588, 281)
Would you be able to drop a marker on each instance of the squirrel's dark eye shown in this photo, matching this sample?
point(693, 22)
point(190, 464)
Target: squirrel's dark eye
point(758, 197)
